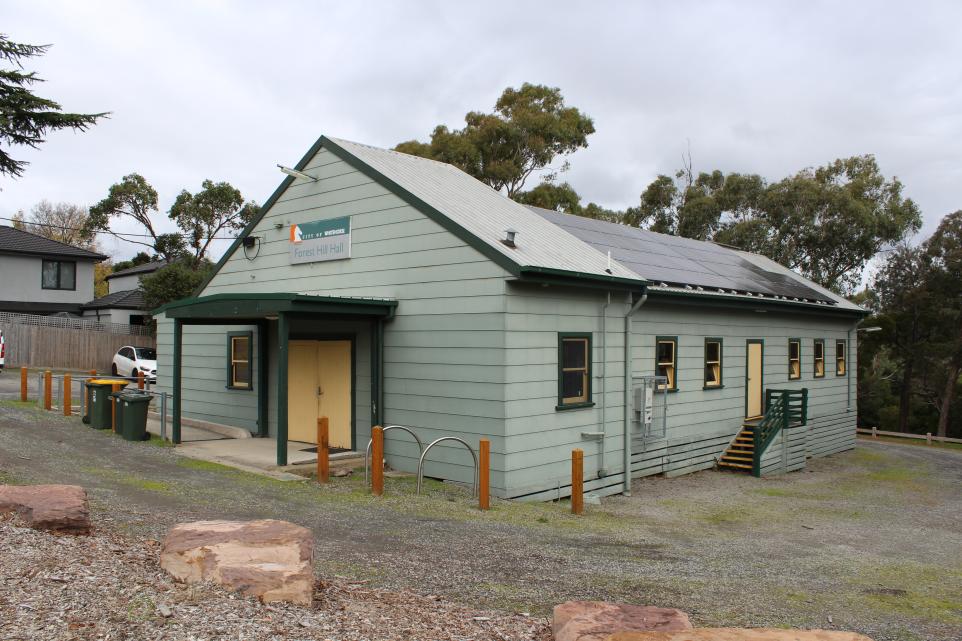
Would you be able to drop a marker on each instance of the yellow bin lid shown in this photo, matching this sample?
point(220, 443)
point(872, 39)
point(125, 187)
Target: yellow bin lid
point(107, 381)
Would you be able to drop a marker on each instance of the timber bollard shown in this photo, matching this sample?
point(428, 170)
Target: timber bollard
point(928, 438)
point(67, 401)
point(577, 481)
point(484, 474)
point(116, 387)
point(92, 372)
point(377, 461)
point(323, 463)
point(874, 432)
point(23, 384)
point(47, 390)
point(140, 380)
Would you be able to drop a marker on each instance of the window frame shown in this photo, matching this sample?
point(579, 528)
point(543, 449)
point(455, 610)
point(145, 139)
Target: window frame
point(721, 363)
point(843, 359)
point(815, 359)
point(797, 341)
point(231, 383)
point(588, 402)
point(58, 263)
point(674, 364)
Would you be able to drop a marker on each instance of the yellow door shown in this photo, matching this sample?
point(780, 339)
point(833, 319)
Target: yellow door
point(302, 399)
point(334, 367)
point(753, 381)
point(319, 384)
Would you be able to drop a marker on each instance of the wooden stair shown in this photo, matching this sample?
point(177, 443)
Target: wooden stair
point(739, 455)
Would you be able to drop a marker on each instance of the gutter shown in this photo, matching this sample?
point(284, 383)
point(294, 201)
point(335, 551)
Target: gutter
point(628, 390)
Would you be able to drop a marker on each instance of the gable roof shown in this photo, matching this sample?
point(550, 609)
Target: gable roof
point(560, 247)
point(146, 268)
point(125, 299)
point(18, 241)
point(676, 264)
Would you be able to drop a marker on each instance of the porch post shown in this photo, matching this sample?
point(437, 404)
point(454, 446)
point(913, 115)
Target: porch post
point(176, 386)
point(282, 335)
point(262, 376)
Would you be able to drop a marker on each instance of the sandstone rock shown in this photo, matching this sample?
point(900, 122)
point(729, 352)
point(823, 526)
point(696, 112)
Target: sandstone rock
point(738, 634)
point(597, 620)
point(57, 508)
point(272, 560)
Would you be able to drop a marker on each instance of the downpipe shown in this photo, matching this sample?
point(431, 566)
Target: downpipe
point(602, 470)
point(628, 391)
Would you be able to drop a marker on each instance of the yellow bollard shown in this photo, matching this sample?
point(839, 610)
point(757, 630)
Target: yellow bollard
point(67, 401)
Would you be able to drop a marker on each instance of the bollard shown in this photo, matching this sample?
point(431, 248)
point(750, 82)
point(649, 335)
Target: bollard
point(874, 432)
point(484, 474)
point(928, 438)
point(140, 380)
point(577, 481)
point(323, 464)
point(47, 390)
point(67, 401)
point(377, 461)
point(23, 384)
point(116, 387)
point(92, 372)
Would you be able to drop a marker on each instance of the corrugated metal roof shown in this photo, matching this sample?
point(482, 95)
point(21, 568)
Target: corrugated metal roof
point(486, 213)
point(17, 241)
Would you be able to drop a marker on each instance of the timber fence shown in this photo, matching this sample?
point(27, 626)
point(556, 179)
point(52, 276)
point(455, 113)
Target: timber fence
point(66, 343)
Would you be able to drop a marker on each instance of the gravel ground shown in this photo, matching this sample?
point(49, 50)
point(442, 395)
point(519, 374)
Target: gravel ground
point(867, 540)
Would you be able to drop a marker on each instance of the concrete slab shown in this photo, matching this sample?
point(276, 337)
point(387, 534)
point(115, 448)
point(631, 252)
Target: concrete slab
point(257, 455)
point(188, 434)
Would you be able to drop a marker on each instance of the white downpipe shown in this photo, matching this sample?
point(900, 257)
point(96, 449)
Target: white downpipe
point(628, 390)
point(602, 472)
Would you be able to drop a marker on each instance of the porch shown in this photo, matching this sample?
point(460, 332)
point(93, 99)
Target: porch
point(280, 321)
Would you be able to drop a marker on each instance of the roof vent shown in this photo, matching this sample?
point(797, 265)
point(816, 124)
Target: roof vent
point(508, 240)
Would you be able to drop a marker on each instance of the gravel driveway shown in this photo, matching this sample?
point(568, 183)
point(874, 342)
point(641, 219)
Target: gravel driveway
point(868, 540)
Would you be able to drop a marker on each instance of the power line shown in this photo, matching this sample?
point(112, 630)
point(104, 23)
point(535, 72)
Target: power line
point(118, 234)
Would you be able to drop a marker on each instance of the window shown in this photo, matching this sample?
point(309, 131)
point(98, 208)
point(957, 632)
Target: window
point(666, 358)
point(713, 362)
point(239, 360)
point(574, 371)
point(794, 358)
point(819, 358)
point(58, 274)
point(840, 358)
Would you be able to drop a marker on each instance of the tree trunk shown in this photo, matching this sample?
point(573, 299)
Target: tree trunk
point(905, 398)
point(947, 397)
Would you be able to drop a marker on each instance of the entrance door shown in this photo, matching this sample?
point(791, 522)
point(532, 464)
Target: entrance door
point(753, 379)
point(319, 384)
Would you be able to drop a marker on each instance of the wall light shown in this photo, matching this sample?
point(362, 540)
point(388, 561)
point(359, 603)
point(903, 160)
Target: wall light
point(296, 173)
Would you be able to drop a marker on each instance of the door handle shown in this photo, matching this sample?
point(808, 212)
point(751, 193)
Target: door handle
point(320, 392)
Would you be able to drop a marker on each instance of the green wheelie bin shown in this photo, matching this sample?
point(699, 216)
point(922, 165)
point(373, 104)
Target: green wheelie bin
point(99, 413)
point(132, 414)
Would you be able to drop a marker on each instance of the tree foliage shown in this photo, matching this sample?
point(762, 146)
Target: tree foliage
point(529, 128)
point(215, 208)
point(134, 198)
point(175, 281)
point(826, 223)
point(25, 118)
point(63, 222)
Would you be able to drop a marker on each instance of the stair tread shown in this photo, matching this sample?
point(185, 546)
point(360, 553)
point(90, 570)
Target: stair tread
point(735, 465)
point(729, 457)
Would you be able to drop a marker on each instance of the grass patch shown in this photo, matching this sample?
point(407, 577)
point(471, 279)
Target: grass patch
point(894, 474)
point(156, 441)
point(130, 480)
point(919, 591)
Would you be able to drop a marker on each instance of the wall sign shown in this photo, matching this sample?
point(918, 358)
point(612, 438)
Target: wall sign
point(321, 240)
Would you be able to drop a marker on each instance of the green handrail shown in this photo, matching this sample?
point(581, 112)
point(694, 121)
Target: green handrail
point(783, 409)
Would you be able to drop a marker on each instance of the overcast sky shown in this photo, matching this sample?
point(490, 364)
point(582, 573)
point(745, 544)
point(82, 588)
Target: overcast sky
point(226, 90)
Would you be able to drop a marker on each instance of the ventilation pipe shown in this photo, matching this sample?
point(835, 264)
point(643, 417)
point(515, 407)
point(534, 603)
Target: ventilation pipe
point(628, 390)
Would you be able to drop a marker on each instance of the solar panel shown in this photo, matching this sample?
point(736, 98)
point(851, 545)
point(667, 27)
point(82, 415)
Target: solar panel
point(680, 261)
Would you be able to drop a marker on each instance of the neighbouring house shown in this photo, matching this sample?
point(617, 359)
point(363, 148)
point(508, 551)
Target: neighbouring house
point(124, 301)
point(378, 288)
point(42, 276)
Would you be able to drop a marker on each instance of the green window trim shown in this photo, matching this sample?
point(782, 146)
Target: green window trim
point(816, 360)
point(794, 362)
point(720, 363)
point(232, 380)
point(582, 400)
point(841, 357)
point(671, 366)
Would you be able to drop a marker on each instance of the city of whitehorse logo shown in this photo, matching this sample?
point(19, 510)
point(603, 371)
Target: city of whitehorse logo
point(296, 235)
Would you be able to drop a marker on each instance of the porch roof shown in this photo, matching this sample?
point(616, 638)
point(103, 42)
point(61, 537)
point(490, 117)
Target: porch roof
point(259, 306)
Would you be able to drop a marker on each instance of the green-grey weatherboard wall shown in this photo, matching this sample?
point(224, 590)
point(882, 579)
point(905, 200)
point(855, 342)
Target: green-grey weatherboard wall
point(473, 353)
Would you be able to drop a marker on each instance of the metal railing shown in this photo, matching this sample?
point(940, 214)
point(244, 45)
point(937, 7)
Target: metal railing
point(384, 430)
point(474, 456)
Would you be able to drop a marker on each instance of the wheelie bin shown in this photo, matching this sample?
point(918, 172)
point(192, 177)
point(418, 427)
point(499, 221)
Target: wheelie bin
point(132, 408)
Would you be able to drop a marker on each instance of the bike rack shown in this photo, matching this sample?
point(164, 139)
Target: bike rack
point(384, 430)
point(474, 488)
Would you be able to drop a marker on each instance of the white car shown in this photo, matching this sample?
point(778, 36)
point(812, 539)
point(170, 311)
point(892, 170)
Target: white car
point(129, 360)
